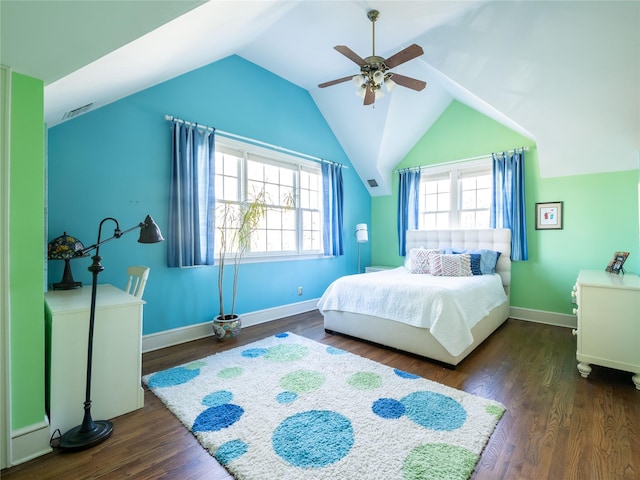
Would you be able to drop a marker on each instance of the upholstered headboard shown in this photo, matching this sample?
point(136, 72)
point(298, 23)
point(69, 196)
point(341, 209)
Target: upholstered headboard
point(498, 239)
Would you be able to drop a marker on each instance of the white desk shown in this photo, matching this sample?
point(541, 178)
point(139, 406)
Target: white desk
point(117, 354)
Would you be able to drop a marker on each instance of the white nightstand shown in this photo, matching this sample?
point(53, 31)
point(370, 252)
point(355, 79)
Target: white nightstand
point(376, 268)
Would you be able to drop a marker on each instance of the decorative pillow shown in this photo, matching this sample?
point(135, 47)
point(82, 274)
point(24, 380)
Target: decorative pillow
point(488, 258)
point(475, 259)
point(451, 265)
point(419, 259)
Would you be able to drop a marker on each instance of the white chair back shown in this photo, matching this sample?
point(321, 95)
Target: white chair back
point(137, 280)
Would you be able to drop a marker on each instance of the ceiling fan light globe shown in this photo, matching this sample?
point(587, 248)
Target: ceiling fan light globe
point(358, 80)
point(361, 91)
point(378, 77)
point(389, 84)
point(379, 93)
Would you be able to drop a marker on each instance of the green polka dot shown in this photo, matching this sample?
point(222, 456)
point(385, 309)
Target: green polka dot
point(302, 381)
point(494, 410)
point(365, 381)
point(286, 353)
point(435, 461)
point(231, 372)
point(195, 365)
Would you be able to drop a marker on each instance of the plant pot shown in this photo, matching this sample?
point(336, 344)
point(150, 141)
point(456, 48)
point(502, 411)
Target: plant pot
point(227, 327)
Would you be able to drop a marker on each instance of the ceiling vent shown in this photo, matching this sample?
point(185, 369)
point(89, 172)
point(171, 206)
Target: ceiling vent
point(372, 182)
point(77, 111)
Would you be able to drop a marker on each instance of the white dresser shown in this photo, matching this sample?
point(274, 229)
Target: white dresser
point(608, 311)
point(117, 354)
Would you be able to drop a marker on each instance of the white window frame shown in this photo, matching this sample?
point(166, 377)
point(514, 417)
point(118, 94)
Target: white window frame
point(248, 151)
point(454, 172)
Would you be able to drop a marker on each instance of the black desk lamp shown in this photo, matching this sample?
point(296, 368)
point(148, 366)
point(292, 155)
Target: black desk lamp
point(92, 432)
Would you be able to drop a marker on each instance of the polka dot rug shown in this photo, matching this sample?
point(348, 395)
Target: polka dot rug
point(287, 407)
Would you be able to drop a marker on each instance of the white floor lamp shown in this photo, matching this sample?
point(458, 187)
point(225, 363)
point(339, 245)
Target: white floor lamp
point(362, 236)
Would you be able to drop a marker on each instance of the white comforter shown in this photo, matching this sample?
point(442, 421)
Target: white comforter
point(448, 306)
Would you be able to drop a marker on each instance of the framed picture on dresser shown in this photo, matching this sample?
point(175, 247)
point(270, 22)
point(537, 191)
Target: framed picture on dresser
point(615, 265)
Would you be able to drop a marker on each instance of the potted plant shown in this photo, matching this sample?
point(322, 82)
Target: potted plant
point(235, 224)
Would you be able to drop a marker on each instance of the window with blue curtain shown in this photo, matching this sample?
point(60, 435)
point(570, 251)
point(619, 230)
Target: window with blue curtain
point(332, 198)
point(508, 203)
point(190, 231)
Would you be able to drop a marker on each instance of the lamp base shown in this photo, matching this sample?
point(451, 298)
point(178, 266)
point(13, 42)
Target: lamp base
point(77, 439)
point(67, 282)
point(66, 286)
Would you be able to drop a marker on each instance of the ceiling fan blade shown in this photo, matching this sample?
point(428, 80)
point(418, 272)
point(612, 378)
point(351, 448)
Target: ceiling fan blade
point(408, 82)
point(335, 82)
point(350, 54)
point(369, 96)
point(409, 53)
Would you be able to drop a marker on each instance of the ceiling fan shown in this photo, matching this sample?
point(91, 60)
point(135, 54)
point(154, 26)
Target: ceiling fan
point(374, 70)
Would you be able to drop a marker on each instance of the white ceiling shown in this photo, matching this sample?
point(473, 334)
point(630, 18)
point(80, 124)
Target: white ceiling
point(565, 73)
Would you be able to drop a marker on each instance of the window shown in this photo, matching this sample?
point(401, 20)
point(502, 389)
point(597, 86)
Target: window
point(292, 189)
point(457, 196)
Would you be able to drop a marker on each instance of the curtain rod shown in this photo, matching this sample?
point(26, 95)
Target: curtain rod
point(462, 160)
point(171, 118)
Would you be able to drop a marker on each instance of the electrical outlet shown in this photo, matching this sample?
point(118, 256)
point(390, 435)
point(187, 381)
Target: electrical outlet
point(299, 290)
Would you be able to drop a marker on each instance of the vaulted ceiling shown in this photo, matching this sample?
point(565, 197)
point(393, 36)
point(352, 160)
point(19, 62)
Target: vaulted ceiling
point(564, 73)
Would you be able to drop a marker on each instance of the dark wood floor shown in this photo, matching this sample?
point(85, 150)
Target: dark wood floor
point(557, 425)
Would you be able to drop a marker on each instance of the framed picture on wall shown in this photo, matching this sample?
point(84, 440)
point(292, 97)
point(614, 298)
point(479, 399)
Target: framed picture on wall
point(615, 265)
point(549, 216)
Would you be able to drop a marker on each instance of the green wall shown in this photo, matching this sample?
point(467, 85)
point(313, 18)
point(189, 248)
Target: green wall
point(600, 211)
point(26, 236)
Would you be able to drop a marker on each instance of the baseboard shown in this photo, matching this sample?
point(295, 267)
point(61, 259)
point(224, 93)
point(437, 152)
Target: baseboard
point(168, 338)
point(30, 442)
point(541, 316)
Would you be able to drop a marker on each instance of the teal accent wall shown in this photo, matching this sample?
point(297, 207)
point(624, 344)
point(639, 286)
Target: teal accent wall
point(114, 162)
point(600, 211)
point(26, 251)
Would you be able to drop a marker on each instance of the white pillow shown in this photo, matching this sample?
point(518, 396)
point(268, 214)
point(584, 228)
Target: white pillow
point(419, 260)
point(445, 265)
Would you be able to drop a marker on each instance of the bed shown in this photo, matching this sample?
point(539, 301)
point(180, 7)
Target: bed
point(439, 341)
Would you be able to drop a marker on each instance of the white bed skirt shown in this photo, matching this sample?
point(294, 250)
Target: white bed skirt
point(408, 338)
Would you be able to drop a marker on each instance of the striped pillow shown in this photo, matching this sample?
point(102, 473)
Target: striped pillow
point(450, 265)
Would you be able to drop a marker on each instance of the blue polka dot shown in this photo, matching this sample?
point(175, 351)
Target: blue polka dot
point(286, 397)
point(434, 410)
point(172, 377)
point(230, 451)
point(254, 352)
point(403, 374)
point(217, 418)
point(388, 408)
point(313, 439)
point(335, 351)
point(217, 398)
point(282, 335)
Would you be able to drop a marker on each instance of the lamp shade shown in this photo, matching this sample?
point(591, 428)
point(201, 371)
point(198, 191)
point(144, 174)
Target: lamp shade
point(64, 247)
point(150, 232)
point(362, 234)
